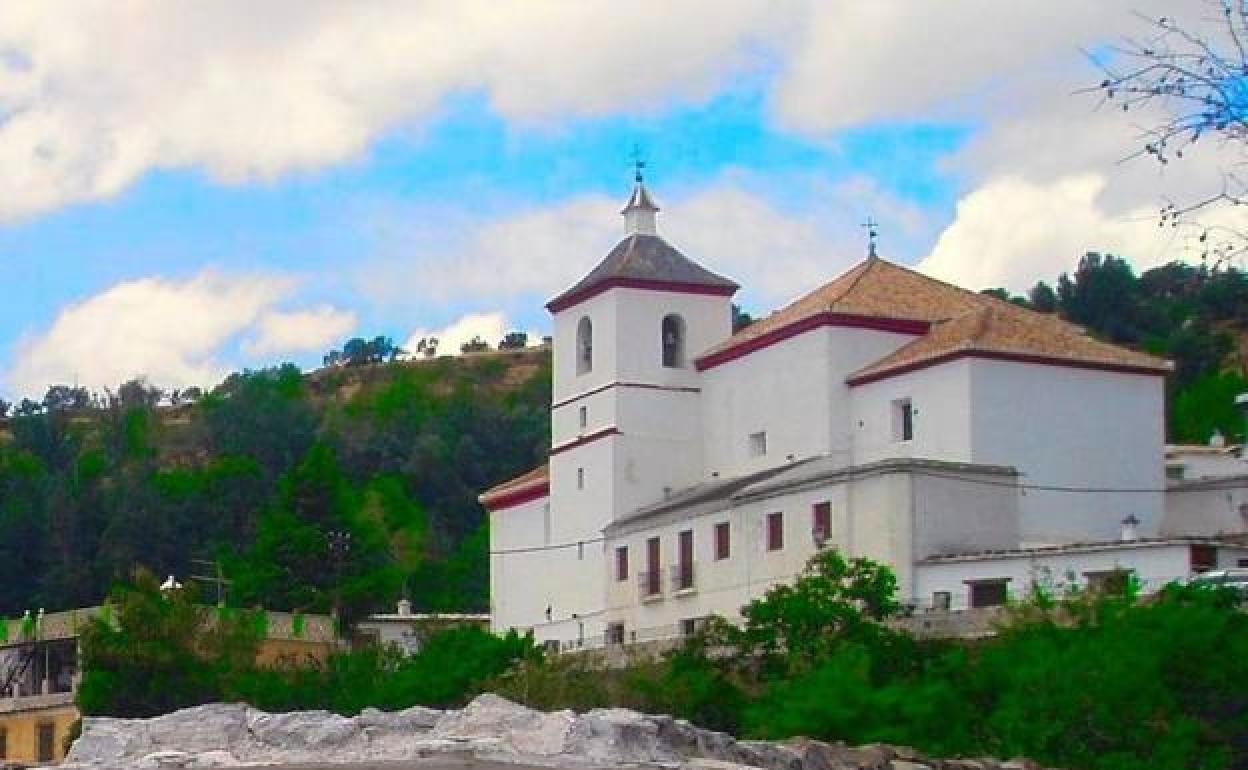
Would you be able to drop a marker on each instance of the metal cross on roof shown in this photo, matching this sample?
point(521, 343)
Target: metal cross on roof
point(872, 234)
point(639, 163)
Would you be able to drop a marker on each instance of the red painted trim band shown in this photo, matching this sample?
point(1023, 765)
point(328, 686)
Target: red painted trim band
point(845, 320)
point(609, 385)
point(583, 440)
point(562, 303)
point(518, 497)
point(1021, 358)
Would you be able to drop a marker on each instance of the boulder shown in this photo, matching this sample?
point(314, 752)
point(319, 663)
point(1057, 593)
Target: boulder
point(214, 727)
point(487, 716)
point(490, 727)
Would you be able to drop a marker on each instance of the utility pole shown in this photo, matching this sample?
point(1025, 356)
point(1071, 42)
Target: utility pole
point(217, 578)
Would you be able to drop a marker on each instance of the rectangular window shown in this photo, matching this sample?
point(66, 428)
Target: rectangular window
point(583, 417)
point(942, 600)
point(621, 563)
point(46, 738)
point(1111, 581)
point(1203, 557)
point(580, 478)
point(615, 633)
point(821, 524)
point(1242, 563)
point(758, 444)
point(1174, 472)
point(688, 626)
point(650, 585)
point(684, 562)
point(723, 540)
point(775, 531)
point(988, 593)
point(903, 420)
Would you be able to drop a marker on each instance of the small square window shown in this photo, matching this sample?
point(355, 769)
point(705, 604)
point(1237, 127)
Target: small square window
point(723, 540)
point(903, 420)
point(1174, 472)
point(583, 417)
point(758, 444)
point(988, 593)
point(689, 626)
point(775, 531)
point(615, 633)
point(942, 600)
point(580, 478)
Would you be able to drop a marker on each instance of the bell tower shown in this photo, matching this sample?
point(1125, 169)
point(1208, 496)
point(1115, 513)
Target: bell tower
point(626, 412)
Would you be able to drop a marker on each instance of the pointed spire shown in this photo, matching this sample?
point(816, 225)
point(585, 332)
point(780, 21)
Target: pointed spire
point(639, 213)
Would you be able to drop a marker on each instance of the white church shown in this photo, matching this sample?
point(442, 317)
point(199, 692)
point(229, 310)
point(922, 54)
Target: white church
point(976, 447)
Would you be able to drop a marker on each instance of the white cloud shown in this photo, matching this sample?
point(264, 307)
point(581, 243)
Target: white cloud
point(173, 332)
point(532, 255)
point(299, 331)
point(95, 93)
point(1013, 232)
point(490, 327)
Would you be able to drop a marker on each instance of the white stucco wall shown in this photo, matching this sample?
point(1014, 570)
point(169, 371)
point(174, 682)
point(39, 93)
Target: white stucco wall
point(1154, 564)
point(1076, 428)
point(875, 516)
point(964, 512)
point(1201, 463)
point(602, 312)
point(793, 390)
point(941, 399)
point(1207, 508)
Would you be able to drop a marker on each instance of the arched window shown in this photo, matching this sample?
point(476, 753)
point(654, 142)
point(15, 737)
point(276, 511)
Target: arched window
point(673, 341)
point(584, 346)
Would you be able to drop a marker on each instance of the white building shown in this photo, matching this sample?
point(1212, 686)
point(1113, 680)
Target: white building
point(886, 414)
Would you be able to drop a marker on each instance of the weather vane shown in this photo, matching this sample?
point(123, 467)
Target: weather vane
point(872, 234)
point(639, 163)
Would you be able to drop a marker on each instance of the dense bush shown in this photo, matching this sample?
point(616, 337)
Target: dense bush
point(159, 651)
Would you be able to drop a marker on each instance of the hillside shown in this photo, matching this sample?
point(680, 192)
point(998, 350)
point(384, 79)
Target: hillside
point(265, 477)
point(351, 484)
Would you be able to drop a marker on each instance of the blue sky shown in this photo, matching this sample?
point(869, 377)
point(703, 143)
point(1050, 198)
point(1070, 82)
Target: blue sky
point(178, 230)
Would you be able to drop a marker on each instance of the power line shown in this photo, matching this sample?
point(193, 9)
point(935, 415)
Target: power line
point(1044, 487)
point(554, 547)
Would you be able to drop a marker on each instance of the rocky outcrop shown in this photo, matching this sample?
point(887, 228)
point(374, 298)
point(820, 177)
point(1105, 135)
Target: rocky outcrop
point(490, 727)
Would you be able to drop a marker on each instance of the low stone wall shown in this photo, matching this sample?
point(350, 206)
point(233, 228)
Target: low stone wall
point(489, 728)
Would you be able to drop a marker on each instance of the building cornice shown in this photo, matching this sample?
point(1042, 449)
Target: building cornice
point(1011, 357)
point(610, 385)
point(588, 438)
point(563, 303)
point(816, 321)
point(516, 497)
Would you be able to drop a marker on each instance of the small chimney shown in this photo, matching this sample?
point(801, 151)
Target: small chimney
point(405, 607)
point(1129, 528)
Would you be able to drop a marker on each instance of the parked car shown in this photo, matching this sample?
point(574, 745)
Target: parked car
point(1236, 579)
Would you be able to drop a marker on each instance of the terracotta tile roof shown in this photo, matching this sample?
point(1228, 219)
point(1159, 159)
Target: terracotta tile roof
point(945, 318)
point(1009, 332)
point(644, 258)
point(874, 288)
point(534, 481)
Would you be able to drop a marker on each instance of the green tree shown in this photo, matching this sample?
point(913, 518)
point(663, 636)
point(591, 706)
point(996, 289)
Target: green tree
point(1208, 405)
point(158, 651)
point(514, 341)
point(833, 602)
